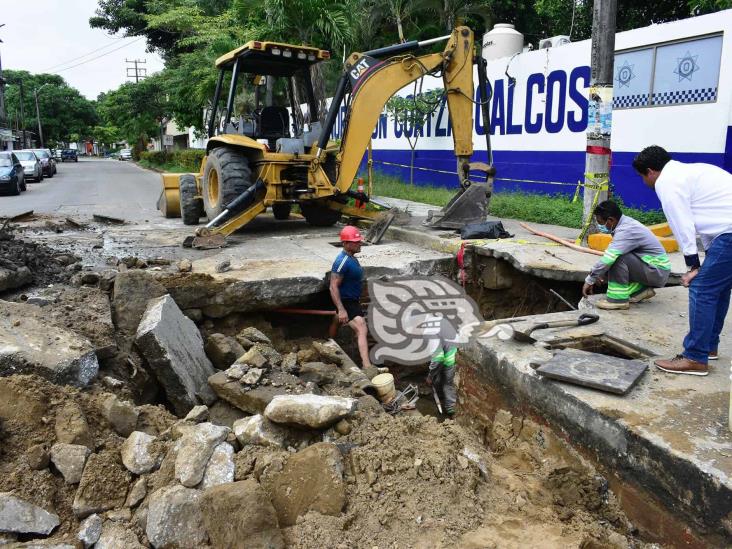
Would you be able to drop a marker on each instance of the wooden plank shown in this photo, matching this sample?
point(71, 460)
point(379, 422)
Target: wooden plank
point(606, 373)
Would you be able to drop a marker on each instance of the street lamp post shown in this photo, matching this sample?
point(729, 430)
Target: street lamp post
point(38, 113)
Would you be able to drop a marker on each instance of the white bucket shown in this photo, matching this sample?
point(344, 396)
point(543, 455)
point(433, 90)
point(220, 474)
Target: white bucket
point(384, 385)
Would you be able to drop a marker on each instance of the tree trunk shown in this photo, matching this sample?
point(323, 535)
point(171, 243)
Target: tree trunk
point(316, 75)
point(400, 29)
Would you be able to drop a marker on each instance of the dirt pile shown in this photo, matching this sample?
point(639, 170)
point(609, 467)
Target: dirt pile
point(24, 262)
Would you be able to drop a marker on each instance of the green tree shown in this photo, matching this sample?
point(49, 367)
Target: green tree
point(412, 113)
point(137, 109)
point(63, 109)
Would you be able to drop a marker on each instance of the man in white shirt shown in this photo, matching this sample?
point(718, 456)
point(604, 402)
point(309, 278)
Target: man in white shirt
point(697, 199)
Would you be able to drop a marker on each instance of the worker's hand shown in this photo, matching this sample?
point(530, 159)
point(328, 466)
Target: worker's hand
point(588, 289)
point(429, 381)
point(343, 316)
point(688, 277)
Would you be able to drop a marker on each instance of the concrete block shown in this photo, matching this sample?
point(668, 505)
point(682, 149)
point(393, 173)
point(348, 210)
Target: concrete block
point(174, 518)
point(20, 517)
point(495, 274)
point(173, 348)
point(70, 459)
point(33, 345)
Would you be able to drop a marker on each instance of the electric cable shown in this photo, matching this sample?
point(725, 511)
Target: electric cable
point(97, 57)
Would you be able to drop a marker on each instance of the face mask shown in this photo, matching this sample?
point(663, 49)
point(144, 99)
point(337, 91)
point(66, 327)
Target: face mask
point(603, 229)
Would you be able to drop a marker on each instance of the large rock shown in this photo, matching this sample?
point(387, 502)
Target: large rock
point(330, 351)
point(313, 411)
point(89, 530)
point(253, 401)
point(115, 536)
point(319, 373)
point(220, 467)
point(194, 451)
point(34, 345)
point(121, 414)
point(254, 335)
point(240, 511)
point(312, 480)
point(20, 517)
point(14, 278)
point(222, 350)
point(260, 431)
point(174, 518)
point(103, 485)
point(141, 453)
point(70, 459)
point(173, 348)
point(72, 427)
point(132, 291)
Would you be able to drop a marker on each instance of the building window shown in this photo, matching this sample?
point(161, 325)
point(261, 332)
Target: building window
point(668, 74)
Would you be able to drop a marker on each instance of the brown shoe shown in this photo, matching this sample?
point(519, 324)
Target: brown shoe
point(682, 365)
point(646, 293)
point(713, 355)
point(612, 305)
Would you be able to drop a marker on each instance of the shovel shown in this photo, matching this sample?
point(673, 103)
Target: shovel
point(583, 320)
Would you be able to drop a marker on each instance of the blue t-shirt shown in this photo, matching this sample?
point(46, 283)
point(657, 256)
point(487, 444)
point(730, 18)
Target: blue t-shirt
point(350, 269)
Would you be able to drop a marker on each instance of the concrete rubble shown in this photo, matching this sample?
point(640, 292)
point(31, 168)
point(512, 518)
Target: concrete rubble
point(173, 348)
point(211, 422)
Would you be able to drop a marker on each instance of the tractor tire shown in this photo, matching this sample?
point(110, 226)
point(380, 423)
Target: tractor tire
point(281, 211)
point(318, 215)
point(191, 207)
point(225, 177)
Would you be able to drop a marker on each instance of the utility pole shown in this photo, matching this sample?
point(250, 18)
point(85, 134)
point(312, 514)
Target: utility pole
point(3, 117)
point(599, 125)
point(137, 73)
point(38, 113)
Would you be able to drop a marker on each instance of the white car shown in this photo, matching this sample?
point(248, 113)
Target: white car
point(32, 168)
point(125, 154)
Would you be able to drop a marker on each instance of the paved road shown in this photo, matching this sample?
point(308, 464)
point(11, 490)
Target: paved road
point(91, 186)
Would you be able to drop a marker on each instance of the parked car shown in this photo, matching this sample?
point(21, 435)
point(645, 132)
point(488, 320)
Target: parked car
point(125, 154)
point(69, 155)
point(47, 162)
point(57, 154)
point(12, 176)
point(31, 165)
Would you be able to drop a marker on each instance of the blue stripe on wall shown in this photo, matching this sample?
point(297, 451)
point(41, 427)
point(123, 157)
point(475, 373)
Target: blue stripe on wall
point(559, 166)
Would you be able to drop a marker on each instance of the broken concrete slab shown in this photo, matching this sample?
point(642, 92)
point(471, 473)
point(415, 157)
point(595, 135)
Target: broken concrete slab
point(172, 346)
point(34, 345)
point(310, 411)
point(141, 453)
point(174, 518)
point(260, 431)
point(195, 449)
point(240, 511)
point(253, 401)
point(132, 291)
point(319, 373)
point(222, 350)
point(20, 517)
point(220, 467)
point(311, 480)
point(70, 459)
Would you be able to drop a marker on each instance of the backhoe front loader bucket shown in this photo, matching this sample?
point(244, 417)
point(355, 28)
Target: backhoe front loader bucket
point(469, 205)
point(169, 200)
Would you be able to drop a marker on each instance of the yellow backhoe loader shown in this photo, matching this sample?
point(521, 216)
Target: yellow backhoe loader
point(274, 157)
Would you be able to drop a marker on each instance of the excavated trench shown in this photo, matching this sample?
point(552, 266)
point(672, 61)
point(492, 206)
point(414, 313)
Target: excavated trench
point(499, 476)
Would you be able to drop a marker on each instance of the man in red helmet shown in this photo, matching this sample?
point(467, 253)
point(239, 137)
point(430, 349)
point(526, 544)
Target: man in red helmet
point(346, 279)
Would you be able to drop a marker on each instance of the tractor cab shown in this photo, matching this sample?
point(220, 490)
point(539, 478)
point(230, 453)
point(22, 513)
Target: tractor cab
point(267, 82)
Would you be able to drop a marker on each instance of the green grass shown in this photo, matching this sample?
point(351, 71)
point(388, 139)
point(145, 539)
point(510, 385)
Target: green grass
point(539, 208)
point(165, 166)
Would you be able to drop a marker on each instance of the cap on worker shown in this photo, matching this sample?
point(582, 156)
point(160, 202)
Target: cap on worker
point(349, 233)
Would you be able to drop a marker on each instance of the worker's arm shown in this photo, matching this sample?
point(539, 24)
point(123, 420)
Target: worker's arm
point(335, 295)
point(623, 242)
point(675, 197)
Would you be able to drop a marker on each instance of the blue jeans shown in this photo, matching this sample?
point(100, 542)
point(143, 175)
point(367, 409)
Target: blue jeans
point(709, 295)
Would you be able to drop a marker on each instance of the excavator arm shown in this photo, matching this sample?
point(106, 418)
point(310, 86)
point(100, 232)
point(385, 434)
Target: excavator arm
point(374, 77)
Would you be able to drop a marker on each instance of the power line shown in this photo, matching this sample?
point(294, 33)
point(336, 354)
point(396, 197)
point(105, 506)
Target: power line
point(82, 56)
point(97, 57)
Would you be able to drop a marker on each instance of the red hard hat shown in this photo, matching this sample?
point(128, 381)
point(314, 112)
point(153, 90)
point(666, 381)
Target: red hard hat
point(349, 233)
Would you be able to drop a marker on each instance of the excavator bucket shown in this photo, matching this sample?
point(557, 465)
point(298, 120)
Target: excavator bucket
point(469, 205)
